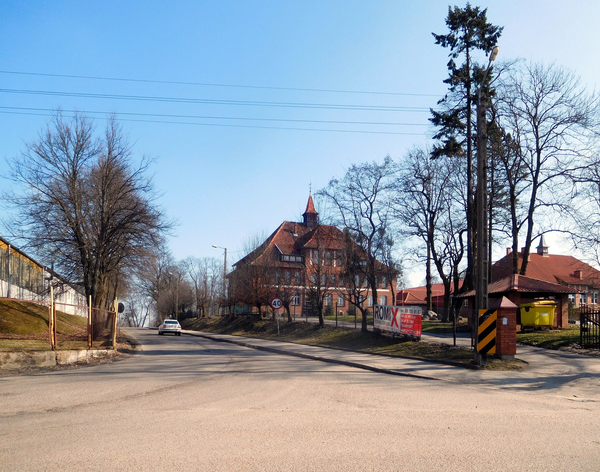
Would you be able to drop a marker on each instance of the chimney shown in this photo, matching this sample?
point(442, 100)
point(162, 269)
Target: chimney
point(508, 251)
point(523, 252)
point(579, 274)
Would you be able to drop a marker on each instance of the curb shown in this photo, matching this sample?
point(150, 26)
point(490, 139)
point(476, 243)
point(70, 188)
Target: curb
point(15, 360)
point(317, 358)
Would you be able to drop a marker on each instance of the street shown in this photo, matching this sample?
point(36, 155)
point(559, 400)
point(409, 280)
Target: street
point(189, 403)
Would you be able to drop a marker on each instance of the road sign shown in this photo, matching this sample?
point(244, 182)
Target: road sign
point(276, 303)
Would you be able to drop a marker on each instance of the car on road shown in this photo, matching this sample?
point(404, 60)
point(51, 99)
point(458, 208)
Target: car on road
point(170, 326)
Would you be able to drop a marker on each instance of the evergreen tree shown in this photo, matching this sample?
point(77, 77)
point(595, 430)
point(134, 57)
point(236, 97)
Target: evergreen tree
point(469, 31)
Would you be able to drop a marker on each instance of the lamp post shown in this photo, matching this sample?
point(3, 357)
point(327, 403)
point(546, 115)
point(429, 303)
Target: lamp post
point(176, 294)
point(481, 298)
point(224, 269)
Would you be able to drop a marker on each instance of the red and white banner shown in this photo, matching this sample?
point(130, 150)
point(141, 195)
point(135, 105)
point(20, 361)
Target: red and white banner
point(398, 319)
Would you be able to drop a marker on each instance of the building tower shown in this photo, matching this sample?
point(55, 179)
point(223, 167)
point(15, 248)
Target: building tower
point(311, 216)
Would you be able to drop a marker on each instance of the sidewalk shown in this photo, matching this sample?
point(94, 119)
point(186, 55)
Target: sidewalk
point(571, 375)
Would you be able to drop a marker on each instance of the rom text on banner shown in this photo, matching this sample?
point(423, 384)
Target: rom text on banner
point(398, 319)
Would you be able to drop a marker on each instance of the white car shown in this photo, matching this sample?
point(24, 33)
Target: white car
point(170, 326)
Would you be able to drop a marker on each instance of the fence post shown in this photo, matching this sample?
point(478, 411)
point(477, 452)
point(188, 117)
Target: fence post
point(114, 331)
point(54, 323)
point(51, 318)
point(89, 325)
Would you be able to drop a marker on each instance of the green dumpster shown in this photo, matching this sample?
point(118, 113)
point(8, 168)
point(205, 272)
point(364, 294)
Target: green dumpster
point(540, 313)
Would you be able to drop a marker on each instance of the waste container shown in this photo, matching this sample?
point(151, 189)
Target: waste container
point(540, 313)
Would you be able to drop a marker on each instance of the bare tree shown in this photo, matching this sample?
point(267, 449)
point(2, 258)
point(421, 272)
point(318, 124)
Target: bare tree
point(551, 119)
point(425, 204)
point(321, 269)
point(206, 276)
point(353, 277)
point(85, 208)
point(361, 204)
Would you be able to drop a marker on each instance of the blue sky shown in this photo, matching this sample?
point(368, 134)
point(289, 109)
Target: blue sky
point(234, 173)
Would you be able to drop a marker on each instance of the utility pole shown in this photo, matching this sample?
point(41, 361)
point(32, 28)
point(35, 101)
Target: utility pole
point(482, 263)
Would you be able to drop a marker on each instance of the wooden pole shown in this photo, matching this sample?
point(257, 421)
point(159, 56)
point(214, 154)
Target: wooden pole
point(51, 320)
point(114, 330)
point(89, 326)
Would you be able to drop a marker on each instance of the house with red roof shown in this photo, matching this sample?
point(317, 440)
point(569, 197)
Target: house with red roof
point(564, 279)
point(296, 259)
point(563, 270)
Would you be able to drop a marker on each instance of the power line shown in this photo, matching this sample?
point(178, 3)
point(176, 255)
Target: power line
point(205, 117)
point(224, 125)
point(209, 84)
point(206, 101)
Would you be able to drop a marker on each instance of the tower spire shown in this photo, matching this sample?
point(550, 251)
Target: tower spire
point(311, 216)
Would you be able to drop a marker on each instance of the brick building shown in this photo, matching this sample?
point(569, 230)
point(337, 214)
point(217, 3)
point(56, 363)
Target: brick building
point(303, 260)
point(563, 270)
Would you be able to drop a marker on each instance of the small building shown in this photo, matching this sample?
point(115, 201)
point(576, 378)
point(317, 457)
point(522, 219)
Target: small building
point(23, 278)
point(299, 259)
point(520, 289)
point(582, 278)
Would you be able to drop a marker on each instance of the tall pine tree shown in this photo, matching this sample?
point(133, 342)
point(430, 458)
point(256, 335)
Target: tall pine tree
point(469, 32)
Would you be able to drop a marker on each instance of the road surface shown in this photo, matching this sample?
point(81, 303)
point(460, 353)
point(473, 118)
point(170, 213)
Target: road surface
point(188, 403)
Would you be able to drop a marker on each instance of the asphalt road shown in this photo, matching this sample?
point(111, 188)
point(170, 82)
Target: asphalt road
point(188, 403)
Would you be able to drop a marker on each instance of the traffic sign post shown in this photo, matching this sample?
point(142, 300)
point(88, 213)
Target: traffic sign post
point(276, 304)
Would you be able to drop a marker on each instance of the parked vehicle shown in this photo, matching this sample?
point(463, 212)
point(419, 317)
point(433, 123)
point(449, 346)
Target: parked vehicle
point(170, 326)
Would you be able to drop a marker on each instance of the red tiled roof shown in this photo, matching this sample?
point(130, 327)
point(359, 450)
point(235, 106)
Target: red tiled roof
point(420, 293)
point(521, 283)
point(293, 238)
point(550, 268)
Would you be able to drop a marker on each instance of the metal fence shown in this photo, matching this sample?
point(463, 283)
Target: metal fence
point(42, 325)
point(589, 327)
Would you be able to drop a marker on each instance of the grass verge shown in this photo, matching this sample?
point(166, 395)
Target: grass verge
point(550, 338)
point(340, 338)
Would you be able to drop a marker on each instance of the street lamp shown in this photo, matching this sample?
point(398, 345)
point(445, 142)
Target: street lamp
point(224, 268)
point(176, 294)
point(481, 294)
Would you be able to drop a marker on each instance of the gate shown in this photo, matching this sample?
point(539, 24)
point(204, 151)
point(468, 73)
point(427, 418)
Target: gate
point(589, 328)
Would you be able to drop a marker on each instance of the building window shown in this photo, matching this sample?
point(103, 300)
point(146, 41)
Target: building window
point(288, 277)
point(383, 300)
point(370, 300)
point(313, 278)
point(298, 278)
point(333, 280)
point(296, 299)
point(357, 280)
point(328, 258)
point(595, 298)
point(328, 299)
point(341, 300)
point(572, 298)
point(315, 256)
point(323, 280)
point(384, 282)
point(583, 298)
point(277, 277)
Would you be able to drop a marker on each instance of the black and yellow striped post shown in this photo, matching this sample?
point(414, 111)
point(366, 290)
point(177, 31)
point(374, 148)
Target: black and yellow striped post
point(486, 336)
